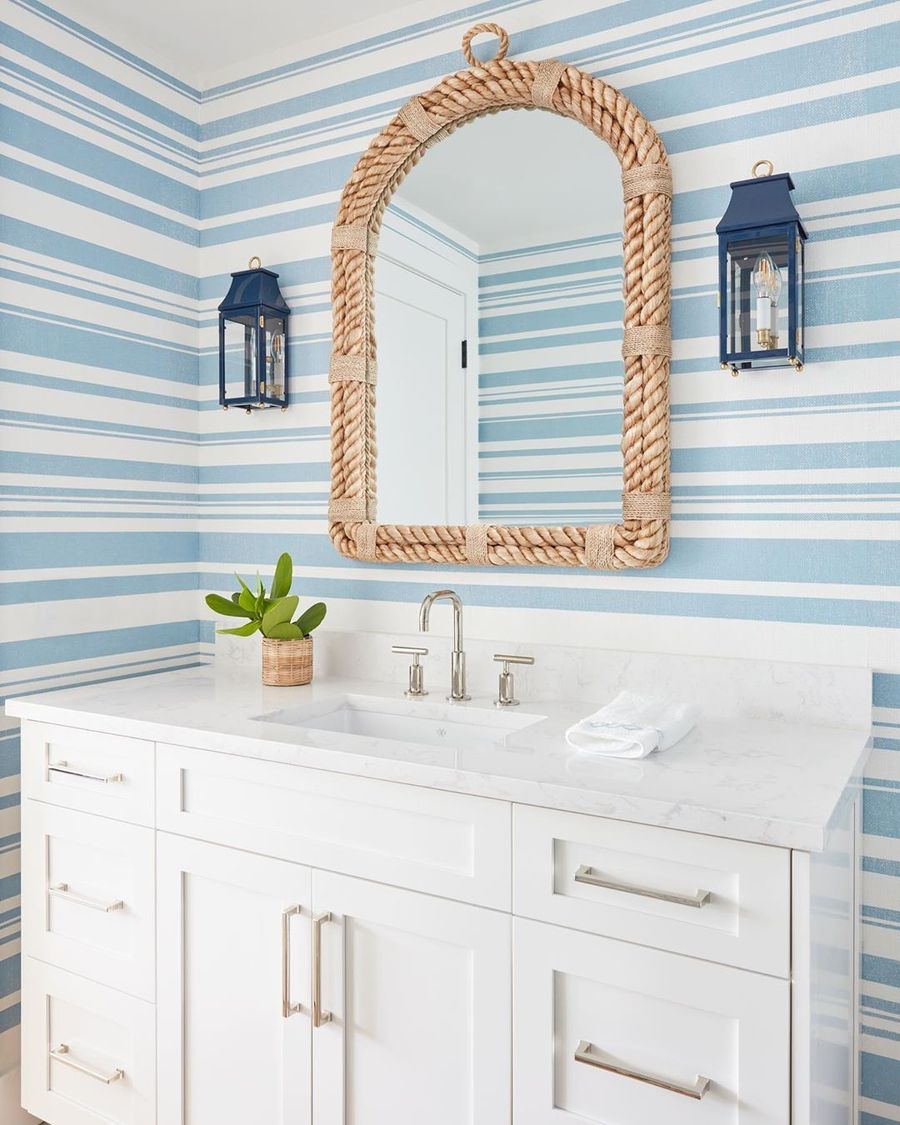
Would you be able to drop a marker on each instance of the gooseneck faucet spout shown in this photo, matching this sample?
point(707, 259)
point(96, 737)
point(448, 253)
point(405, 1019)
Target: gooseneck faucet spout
point(457, 657)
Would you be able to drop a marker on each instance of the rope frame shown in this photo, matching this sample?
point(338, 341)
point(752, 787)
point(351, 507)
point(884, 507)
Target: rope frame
point(642, 538)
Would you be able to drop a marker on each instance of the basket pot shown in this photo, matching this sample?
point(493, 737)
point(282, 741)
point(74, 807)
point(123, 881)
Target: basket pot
point(287, 663)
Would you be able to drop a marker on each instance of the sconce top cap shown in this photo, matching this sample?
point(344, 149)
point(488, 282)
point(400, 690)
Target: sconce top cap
point(254, 287)
point(760, 201)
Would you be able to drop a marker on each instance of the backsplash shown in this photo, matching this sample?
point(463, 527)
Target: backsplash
point(131, 196)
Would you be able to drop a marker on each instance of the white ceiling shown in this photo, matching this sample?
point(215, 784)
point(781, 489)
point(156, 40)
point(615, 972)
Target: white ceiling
point(193, 39)
point(519, 178)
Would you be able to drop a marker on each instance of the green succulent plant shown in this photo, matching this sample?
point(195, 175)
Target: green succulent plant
point(269, 614)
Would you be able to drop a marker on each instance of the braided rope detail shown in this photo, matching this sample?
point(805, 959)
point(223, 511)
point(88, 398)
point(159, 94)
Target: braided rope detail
point(646, 505)
point(366, 535)
point(653, 339)
point(349, 508)
point(650, 179)
point(457, 99)
point(352, 236)
point(600, 546)
point(477, 544)
point(351, 368)
point(417, 120)
point(546, 79)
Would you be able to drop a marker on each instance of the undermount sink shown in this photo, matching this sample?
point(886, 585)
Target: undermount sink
point(418, 722)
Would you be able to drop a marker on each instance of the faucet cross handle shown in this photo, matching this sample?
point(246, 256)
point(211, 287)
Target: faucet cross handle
point(506, 691)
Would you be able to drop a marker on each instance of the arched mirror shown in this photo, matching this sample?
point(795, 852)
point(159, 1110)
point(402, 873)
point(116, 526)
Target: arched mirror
point(515, 409)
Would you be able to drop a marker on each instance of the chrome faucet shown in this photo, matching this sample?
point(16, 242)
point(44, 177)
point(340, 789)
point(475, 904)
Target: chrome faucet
point(457, 657)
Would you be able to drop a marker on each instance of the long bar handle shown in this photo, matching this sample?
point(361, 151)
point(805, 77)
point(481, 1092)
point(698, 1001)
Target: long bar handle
point(62, 1055)
point(64, 767)
point(584, 1053)
point(588, 875)
point(62, 890)
point(318, 1015)
point(288, 1009)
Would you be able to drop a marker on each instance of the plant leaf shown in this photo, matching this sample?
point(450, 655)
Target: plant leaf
point(235, 598)
point(311, 618)
point(260, 589)
point(284, 576)
point(282, 610)
point(247, 600)
point(242, 630)
point(225, 606)
point(286, 631)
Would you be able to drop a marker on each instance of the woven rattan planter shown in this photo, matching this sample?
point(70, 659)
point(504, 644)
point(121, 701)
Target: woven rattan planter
point(287, 663)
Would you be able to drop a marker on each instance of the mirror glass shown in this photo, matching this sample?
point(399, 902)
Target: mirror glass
point(498, 321)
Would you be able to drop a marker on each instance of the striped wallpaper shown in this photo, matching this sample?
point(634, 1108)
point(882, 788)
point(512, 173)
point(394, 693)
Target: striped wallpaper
point(131, 196)
point(98, 388)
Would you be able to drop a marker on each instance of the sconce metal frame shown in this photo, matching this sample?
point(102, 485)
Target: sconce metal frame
point(762, 215)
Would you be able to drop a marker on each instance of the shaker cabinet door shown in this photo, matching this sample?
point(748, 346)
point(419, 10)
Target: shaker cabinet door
point(415, 1008)
point(607, 1033)
point(233, 986)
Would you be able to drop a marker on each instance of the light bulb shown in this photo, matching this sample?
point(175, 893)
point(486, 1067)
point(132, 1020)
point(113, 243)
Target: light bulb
point(767, 286)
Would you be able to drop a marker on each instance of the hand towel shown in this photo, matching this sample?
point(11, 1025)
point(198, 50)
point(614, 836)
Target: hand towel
point(633, 726)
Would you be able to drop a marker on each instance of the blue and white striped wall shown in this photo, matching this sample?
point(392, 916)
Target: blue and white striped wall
point(98, 387)
point(133, 196)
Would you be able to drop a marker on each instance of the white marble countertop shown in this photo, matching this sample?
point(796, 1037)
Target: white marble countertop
point(760, 781)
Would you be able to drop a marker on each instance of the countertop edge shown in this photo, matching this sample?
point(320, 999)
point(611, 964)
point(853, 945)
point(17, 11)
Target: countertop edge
point(749, 828)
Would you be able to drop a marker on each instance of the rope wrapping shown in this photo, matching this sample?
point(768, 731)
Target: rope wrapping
point(642, 539)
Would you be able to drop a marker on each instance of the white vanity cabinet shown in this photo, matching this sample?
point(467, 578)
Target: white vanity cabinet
point(235, 939)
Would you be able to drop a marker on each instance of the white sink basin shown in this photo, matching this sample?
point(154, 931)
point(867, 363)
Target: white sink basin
point(400, 720)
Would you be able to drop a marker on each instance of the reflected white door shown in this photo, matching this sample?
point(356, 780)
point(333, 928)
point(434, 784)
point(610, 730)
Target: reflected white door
point(419, 988)
point(227, 1052)
point(421, 397)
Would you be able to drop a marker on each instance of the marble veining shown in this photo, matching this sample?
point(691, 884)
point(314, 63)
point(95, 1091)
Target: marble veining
point(759, 780)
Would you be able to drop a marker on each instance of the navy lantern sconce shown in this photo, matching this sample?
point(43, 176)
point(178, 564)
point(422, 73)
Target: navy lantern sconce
point(761, 274)
point(253, 358)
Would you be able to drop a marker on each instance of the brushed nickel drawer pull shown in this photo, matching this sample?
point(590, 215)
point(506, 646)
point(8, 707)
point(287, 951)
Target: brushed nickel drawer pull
point(287, 1008)
point(584, 1053)
point(61, 890)
point(64, 767)
point(62, 1055)
point(588, 875)
point(318, 1015)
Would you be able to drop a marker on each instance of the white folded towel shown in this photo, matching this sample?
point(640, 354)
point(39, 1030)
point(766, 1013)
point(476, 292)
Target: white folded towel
point(633, 726)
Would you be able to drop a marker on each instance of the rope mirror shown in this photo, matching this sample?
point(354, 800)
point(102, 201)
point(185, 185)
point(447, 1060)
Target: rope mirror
point(642, 538)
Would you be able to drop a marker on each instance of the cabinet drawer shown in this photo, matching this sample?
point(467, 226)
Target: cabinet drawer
point(446, 844)
point(721, 900)
point(82, 769)
point(88, 1053)
point(88, 898)
point(610, 1032)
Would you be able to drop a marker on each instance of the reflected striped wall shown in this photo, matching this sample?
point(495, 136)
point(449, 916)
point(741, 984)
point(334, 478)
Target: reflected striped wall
point(550, 382)
point(135, 195)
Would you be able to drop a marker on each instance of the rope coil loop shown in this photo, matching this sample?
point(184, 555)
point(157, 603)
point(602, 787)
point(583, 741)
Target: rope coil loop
point(485, 29)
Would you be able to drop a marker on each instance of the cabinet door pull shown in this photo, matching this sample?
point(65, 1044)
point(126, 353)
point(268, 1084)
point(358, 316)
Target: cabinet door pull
point(584, 1053)
point(318, 1015)
point(64, 767)
point(61, 890)
point(588, 875)
point(62, 1055)
point(287, 1008)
